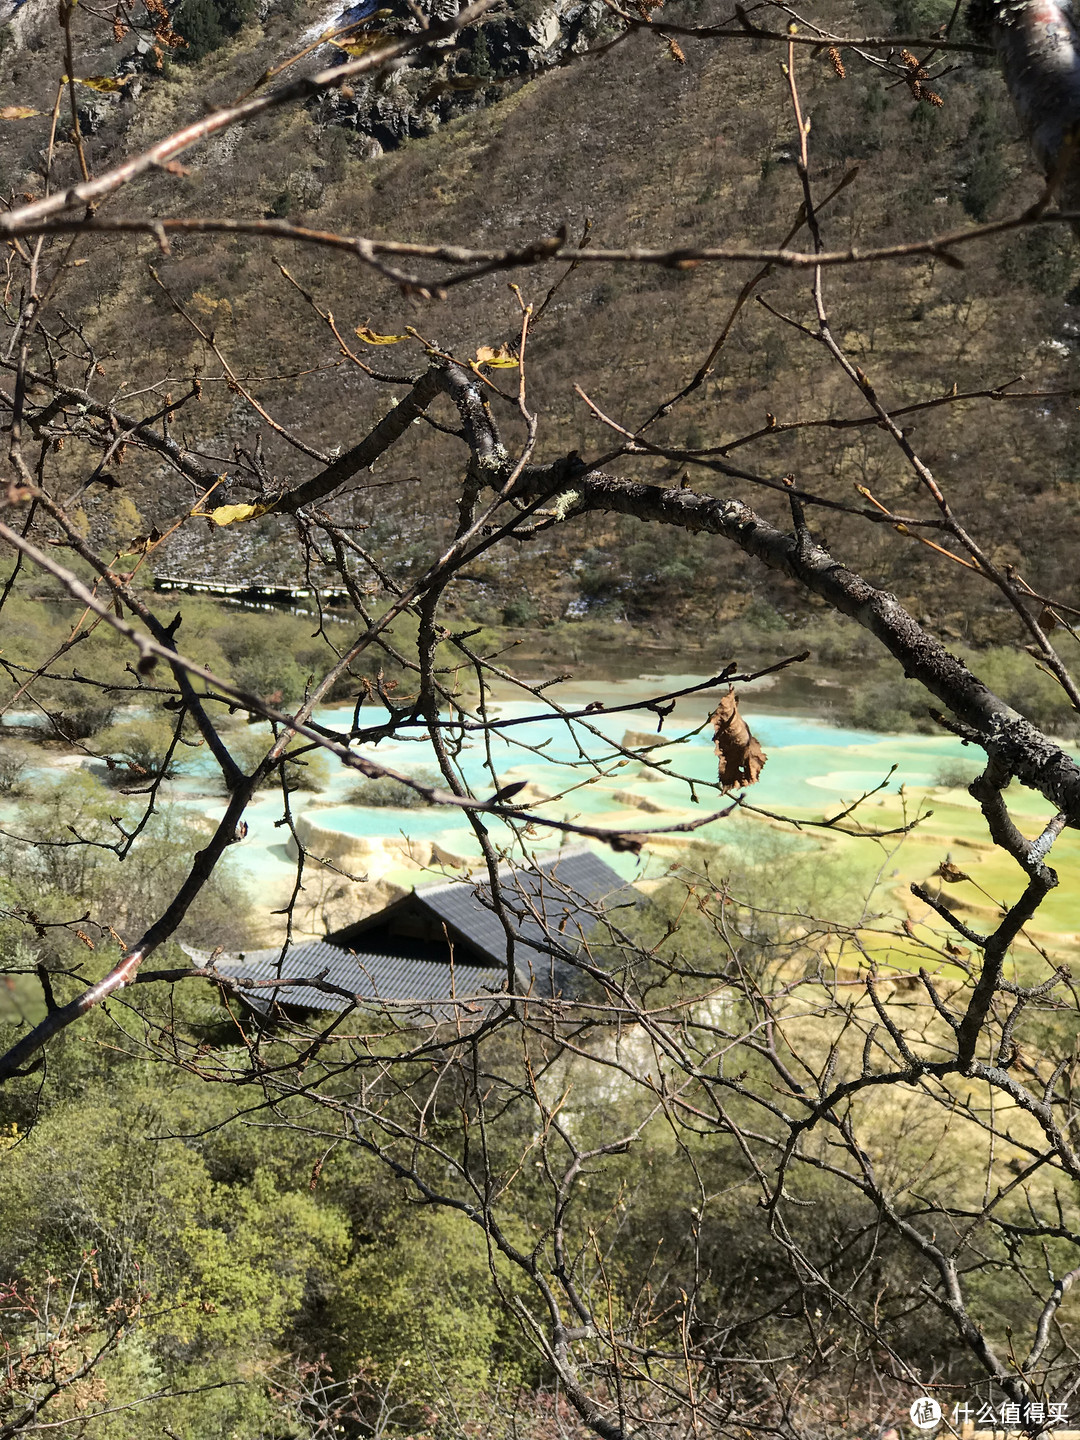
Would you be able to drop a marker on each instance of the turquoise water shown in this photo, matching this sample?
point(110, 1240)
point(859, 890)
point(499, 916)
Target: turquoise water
point(811, 766)
point(383, 820)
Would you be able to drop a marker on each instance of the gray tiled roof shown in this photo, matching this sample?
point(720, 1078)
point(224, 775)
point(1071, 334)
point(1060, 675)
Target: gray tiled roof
point(561, 901)
point(370, 978)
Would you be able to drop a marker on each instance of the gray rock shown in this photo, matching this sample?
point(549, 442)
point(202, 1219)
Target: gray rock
point(413, 100)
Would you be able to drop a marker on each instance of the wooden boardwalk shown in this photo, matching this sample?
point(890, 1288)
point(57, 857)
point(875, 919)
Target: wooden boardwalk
point(251, 592)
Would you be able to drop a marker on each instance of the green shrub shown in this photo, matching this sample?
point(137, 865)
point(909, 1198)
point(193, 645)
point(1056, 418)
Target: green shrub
point(393, 793)
point(983, 175)
point(14, 763)
point(205, 25)
point(78, 711)
point(1040, 259)
point(956, 774)
point(921, 17)
point(1016, 678)
point(305, 769)
point(520, 611)
point(126, 894)
point(888, 703)
point(273, 677)
point(879, 698)
point(139, 745)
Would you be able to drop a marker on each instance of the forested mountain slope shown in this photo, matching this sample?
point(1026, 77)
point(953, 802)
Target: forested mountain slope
point(646, 149)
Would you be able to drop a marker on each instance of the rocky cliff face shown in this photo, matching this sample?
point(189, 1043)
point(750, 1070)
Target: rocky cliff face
point(525, 37)
point(19, 20)
point(521, 38)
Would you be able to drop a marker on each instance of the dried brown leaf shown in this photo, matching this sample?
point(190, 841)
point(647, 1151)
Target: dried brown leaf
point(950, 873)
point(741, 758)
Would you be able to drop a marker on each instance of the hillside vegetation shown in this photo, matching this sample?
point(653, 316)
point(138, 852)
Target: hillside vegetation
point(648, 151)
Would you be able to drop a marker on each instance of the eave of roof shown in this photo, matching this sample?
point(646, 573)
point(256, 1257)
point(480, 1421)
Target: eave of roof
point(365, 980)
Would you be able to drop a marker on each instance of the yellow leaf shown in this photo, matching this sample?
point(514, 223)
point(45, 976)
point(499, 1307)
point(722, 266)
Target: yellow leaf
point(369, 336)
point(18, 112)
point(356, 47)
point(234, 514)
point(365, 42)
point(107, 84)
point(500, 359)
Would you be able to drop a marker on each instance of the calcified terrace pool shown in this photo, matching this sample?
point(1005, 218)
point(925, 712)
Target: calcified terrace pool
point(813, 768)
point(806, 757)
